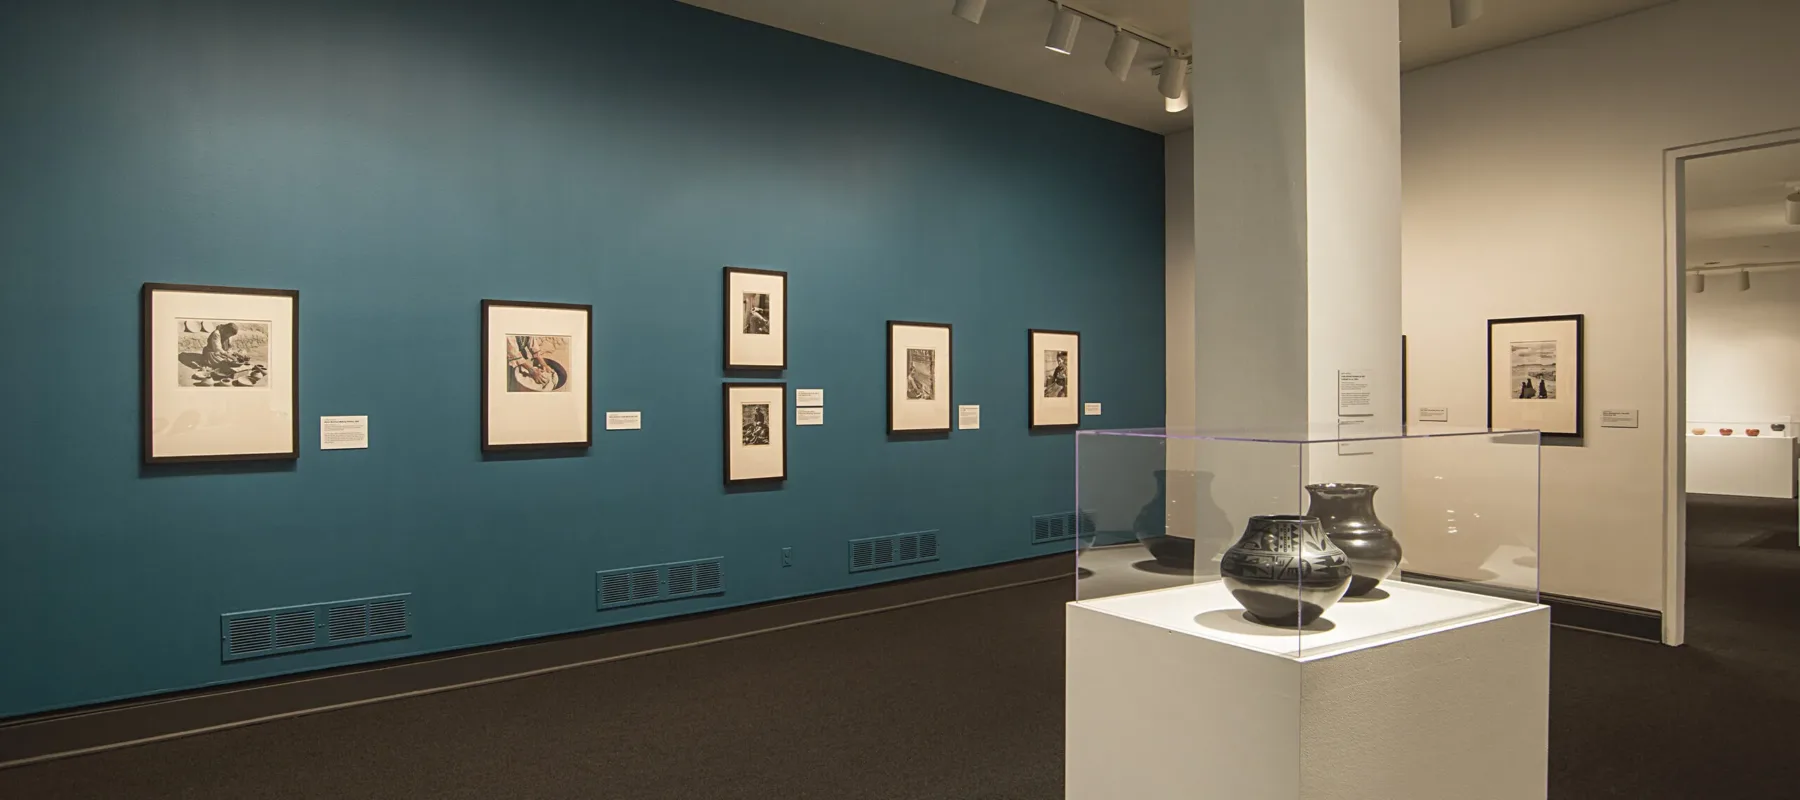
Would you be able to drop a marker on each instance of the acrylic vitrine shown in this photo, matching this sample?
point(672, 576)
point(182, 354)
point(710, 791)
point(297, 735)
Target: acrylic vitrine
point(1320, 613)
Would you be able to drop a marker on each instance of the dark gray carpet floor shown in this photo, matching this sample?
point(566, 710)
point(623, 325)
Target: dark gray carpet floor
point(962, 700)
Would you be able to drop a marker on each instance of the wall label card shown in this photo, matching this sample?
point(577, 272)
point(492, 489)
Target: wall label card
point(1619, 418)
point(1090, 409)
point(344, 433)
point(968, 418)
point(1355, 397)
point(624, 420)
point(809, 415)
point(809, 397)
point(1434, 414)
point(1353, 427)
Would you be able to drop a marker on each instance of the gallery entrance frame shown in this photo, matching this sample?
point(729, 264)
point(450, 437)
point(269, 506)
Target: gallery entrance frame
point(1675, 162)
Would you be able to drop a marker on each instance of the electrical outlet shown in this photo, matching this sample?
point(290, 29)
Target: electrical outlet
point(787, 556)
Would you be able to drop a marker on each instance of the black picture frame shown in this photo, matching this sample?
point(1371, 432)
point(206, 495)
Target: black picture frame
point(725, 320)
point(725, 430)
point(1580, 321)
point(1031, 389)
point(949, 376)
point(146, 405)
point(587, 439)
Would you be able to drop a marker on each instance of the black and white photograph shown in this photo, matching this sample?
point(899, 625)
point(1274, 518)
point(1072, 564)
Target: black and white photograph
point(1535, 375)
point(222, 353)
point(921, 373)
point(756, 313)
point(1534, 370)
point(918, 363)
point(220, 373)
point(755, 424)
point(537, 362)
point(755, 428)
point(756, 319)
point(1055, 371)
point(536, 375)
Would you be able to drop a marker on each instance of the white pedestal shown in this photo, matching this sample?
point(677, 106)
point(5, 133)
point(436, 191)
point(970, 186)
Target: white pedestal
point(1747, 466)
point(1428, 693)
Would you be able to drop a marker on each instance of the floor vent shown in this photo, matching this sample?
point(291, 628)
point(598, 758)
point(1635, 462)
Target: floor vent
point(893, 550)
point(1058, 527)
point(657, 582)
point(273, 631)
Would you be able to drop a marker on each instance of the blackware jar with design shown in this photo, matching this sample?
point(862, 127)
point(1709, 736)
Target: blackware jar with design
point(1347, 512)
point(1284, 571)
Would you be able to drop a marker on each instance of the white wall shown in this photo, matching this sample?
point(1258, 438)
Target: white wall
point(1178, 278)
point(1743, 349)
point(1534, 185)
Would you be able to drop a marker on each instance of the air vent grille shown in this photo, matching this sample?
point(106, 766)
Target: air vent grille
point(1057, 527)
point(657, 582)
point(251, 634)
point(893, 550)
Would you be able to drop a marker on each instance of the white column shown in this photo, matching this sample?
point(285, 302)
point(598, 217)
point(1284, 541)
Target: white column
point(1296, 109)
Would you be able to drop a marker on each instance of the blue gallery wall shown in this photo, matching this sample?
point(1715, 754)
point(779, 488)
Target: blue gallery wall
point(398, 162)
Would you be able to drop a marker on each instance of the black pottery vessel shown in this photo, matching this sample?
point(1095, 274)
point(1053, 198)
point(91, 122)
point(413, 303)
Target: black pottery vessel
point(1347, 512)
point(1285, 571)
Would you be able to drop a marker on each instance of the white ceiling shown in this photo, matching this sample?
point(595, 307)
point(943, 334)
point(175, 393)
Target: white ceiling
point(1006, 50)
point(1737, 207)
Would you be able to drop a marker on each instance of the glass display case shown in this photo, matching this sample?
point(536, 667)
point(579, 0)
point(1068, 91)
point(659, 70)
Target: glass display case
point(1335, 537)
point(1327, 613)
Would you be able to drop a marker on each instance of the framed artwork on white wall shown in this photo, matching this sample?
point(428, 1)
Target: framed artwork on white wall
point(1055, 371)
point(536, 375)
point(918, 377)
point(755, 432)
point(1535, 374)
point(755, 319)
point(220, 374)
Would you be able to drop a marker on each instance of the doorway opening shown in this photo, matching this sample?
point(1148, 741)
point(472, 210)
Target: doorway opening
point(1734, 523)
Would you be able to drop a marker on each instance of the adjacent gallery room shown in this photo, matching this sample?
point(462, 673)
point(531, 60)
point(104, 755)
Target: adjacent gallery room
point(1227, 398)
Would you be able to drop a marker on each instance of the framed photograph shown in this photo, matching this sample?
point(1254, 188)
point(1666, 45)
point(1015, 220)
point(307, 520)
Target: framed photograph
point(755, 319)
point(755, 432)
point(536, 375)
point(1535, 374)
point(918, 377)
point(221, 373)
point(1055, 379)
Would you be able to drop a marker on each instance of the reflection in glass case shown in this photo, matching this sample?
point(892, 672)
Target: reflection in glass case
point(1331, 537)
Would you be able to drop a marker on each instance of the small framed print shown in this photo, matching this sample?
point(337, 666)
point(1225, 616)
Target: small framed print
point(1535, 373)
point(755, 318)
point(755, 432)
point(221, 374)
point(536, 375)
point(1055, 371)
point(918, 377)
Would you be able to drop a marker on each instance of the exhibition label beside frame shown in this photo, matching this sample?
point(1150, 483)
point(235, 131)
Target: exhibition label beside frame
point(1055, 371)
point(755, 432)
point(536, 375)
point(756, 327)
point(918, 377)
point(1535, 373)
point(220, 373)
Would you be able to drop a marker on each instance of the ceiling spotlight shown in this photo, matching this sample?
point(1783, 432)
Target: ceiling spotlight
point(1172, 77)
point(1463, 12)
point(1176, 105)
point(1744, 281)
point(1062, 31)
point(970, 10)
point(1793, 204)
point(1124, 50)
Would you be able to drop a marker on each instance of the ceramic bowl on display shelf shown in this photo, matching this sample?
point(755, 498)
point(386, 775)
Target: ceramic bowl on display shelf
point(1699, 431)
point(1752, 432)
point(1724, 431)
